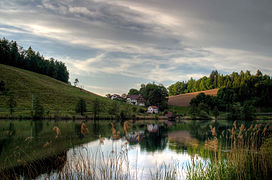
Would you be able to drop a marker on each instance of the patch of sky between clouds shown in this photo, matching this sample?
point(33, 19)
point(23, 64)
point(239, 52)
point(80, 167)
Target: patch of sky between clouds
point(48, 47)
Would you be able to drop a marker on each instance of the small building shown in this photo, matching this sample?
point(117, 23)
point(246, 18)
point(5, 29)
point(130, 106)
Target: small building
point(116, 97)
point(153, 110)
point(136, 99)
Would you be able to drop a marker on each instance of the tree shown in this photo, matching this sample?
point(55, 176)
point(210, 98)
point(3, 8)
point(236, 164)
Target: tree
point(38, 109)
point(76, 82)
point(215, 112)
point(81, 107)
point(248, 111)
point(133, 92)
point(193, 111)
point(96, 107)
point(11, 104)
point(3, 89)
point(114, 109)
point(259, 73)
point(155, 95)
point(13, 55)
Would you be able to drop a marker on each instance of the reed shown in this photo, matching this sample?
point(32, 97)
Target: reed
point(248, 156)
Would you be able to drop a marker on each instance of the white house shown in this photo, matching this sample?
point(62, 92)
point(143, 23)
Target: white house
point(153, 110)
point(116, 96)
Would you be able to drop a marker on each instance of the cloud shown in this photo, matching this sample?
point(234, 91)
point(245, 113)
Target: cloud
point(144, 40)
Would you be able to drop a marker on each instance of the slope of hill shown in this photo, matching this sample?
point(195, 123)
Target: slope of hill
point(53, 94)
point(184, 99)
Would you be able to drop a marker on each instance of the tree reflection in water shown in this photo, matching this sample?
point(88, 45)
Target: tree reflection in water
point(34, 169)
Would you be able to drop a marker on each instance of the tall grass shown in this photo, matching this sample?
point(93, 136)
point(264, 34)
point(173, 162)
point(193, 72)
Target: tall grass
point(244, 156)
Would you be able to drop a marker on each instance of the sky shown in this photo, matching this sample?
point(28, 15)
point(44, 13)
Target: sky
point(114, 45)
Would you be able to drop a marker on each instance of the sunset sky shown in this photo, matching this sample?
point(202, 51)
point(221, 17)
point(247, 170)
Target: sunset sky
point(114, 45)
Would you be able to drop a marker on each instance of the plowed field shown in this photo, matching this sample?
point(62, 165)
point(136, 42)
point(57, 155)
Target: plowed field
point(184, 99)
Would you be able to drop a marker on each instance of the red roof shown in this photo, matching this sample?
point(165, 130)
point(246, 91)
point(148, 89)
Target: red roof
point(137, 97)
point(154, 107)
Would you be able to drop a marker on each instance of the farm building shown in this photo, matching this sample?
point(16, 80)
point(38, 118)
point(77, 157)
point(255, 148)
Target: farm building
point(153, 110)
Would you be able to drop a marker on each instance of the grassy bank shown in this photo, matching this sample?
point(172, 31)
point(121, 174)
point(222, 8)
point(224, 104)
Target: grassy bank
point(56, 97)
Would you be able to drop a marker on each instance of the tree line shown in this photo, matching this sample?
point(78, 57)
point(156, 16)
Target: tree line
point(214, 80)
point(240, 100)
point(14, 55)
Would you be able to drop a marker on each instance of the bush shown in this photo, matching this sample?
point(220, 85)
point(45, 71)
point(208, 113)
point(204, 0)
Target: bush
point(38, 109)
point(81, 107)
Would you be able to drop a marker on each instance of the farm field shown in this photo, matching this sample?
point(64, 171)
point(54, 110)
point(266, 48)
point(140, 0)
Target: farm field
point(184, 99)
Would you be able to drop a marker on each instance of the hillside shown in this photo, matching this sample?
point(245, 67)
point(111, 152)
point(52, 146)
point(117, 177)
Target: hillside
point(184, 99)
point(53, 94)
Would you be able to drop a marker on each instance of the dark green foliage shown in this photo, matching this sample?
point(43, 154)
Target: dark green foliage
point(248, 111)
point(210, 101)
point(2, 86)
point(155, 95)
point(76, 82)
point(193, 111)
point(141, 110)
point(215, 112)
point(177, 88)
point(81, 107)
point(11, 104)
point(11, 54)
point(203, 115)
point(97, 107)
point(235, 112)
point(38, 109)
point(114, 109)
point(199, 112)
point(203, 107)
point(216, 80)
point(133, 92)
point(241, 97)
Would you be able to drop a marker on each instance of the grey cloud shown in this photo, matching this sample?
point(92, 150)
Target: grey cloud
point(147, 39)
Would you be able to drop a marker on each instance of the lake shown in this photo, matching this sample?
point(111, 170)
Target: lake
point(130, 150)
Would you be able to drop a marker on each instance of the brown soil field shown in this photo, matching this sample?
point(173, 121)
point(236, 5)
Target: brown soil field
point(184, 99)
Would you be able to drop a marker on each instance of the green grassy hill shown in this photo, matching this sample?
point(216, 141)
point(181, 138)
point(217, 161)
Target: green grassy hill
point(54, 95)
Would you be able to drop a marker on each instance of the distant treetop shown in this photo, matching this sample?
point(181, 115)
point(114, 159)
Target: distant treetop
point(215, 80)
point(14, 55)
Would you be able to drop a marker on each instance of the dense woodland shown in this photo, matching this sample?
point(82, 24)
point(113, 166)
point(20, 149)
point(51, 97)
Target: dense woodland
point(216, 80)
point(239, 98)
point(14, 55)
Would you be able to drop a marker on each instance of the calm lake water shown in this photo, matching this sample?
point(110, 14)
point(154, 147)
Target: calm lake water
point(35, 149)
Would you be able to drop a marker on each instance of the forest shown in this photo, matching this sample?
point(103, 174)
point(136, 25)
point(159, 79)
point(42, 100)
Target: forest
point(216, 80)
point(239, 100)
point(14, 55)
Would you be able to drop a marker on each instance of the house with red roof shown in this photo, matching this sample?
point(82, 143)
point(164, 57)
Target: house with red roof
point(153, 109)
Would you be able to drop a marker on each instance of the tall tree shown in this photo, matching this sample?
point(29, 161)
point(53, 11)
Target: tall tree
point(133, 91)
point(11, 104)
point(81, 107)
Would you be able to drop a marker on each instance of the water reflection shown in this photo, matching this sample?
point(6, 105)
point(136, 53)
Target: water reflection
point(48, 165)
point(148, 144)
